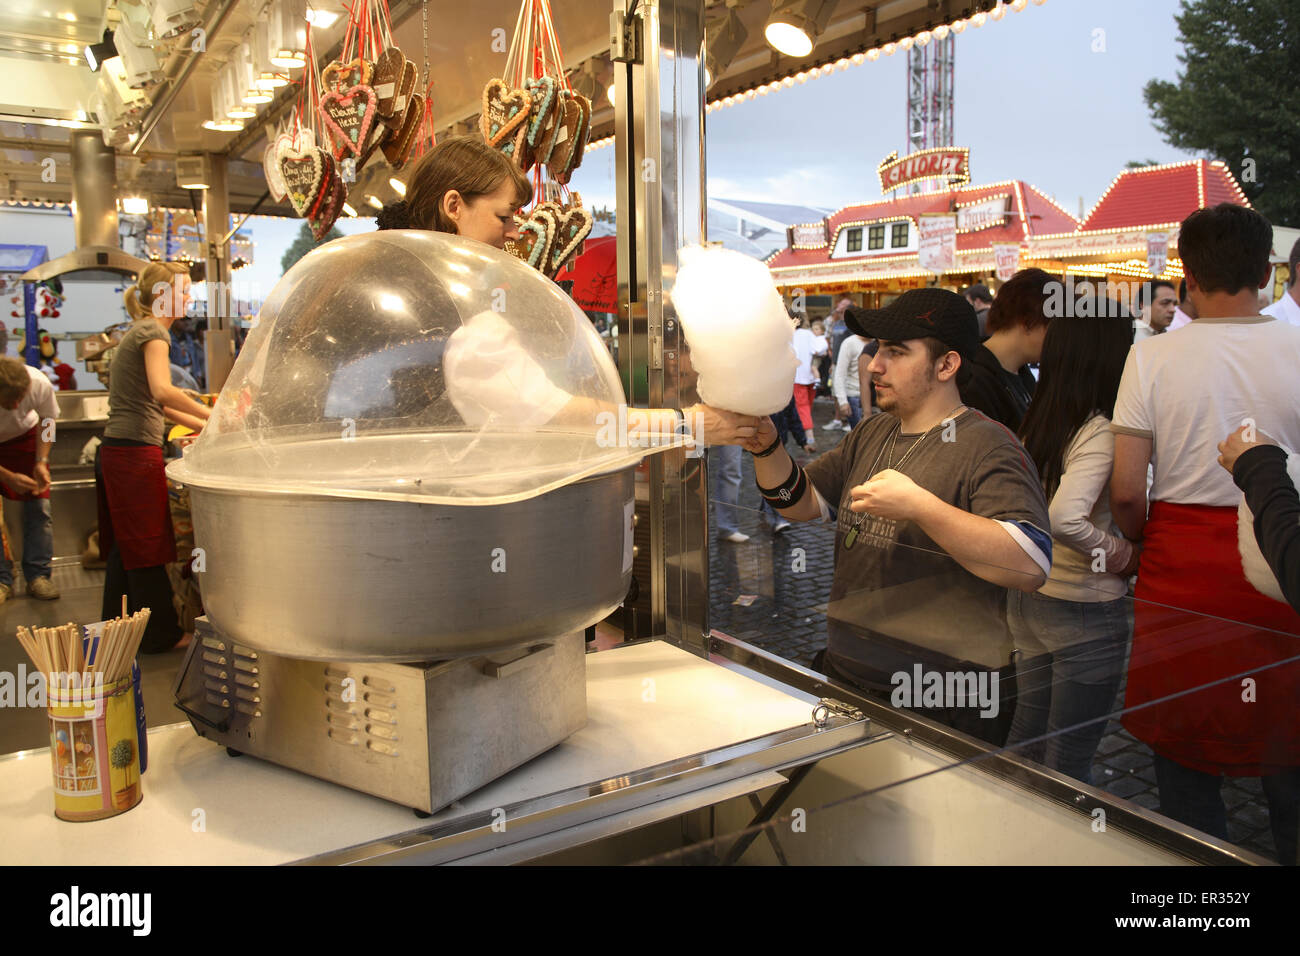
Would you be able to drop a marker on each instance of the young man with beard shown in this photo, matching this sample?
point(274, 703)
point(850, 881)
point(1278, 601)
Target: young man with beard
point(938, 511)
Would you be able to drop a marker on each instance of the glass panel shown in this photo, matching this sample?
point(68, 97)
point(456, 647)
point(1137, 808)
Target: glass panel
point(876, 237)
point(1102, 719)
point(854, 240)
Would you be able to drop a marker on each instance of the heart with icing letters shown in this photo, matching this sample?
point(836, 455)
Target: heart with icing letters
point(348, 116)
point(339, 75)
point(504, 110)
point(304, 173)
point(573, 225)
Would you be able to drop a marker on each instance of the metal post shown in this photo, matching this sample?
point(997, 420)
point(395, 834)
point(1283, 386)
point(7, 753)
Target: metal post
point(219, 343)
point(659, 139)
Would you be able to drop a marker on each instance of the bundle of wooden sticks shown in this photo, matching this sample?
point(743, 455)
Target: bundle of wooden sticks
point(67, 650)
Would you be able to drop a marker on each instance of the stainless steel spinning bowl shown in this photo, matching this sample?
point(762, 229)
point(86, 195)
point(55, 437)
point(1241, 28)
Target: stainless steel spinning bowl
point(326, 578)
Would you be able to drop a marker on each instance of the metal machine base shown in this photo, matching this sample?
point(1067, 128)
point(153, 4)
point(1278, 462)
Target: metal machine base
point(421, 734)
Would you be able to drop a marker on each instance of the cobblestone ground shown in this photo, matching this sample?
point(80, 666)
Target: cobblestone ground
point(771, 591)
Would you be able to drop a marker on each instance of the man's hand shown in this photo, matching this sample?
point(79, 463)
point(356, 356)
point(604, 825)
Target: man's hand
point(20, 483)
point(717, 426)
point(1230, 448)
point(42, 475)
point(890, 494)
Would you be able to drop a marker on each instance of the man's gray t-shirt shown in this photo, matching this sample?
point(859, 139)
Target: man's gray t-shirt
point(895, 596)
point(132, 411)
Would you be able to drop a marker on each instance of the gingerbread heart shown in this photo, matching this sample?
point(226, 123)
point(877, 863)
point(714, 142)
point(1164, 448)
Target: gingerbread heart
point(339, 75)
point(402, 98)
point(329, 179)
point(348, 116)
point(536, 236)
point(271, 168)
point(584, 134)
point(519, 150)
point(573, 226)
point(328, 213)
point(543, 91)
point(504, 110)
point(397, 147)
point(388, 79)
point(303, 172)
point(566, 137)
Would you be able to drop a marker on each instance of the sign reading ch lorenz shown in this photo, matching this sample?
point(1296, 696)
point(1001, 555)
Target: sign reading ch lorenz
point(949, 163)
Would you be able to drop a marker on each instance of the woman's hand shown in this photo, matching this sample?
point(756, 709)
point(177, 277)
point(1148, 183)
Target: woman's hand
point(42, 475)
point(20, 483)
point(1230, 448)
point(717, 426)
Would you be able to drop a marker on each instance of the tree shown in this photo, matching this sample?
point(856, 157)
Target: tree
point(1235, 97)
point(305, 243)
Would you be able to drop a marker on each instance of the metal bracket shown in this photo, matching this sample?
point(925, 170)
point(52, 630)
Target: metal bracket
point(828, 707)
point(625, 37)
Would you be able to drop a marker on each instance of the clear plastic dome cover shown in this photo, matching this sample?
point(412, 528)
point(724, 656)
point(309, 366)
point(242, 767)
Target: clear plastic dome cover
point(415, 366)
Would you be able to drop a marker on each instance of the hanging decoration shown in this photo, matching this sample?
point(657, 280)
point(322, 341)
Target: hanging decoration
point(534, 116)
point(311, 178)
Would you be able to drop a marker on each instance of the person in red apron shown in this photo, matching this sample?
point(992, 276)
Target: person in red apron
point(28, 410)
point(1214, 673)
point(135, 529)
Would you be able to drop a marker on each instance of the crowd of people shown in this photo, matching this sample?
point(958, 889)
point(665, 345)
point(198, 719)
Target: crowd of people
point(990, 523)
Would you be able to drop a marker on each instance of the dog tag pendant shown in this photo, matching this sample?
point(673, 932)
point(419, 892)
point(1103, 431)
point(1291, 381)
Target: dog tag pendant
point(851, 537)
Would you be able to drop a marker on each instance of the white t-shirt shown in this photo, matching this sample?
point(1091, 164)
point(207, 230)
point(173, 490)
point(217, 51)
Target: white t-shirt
point(1285, 309)
point(1179, 320)
point(37, 405)
point(1188, 392)
point(806, 345)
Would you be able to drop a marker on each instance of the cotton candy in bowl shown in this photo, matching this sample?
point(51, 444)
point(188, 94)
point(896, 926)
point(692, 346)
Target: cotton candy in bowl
point(738, 330)
point(407, 460)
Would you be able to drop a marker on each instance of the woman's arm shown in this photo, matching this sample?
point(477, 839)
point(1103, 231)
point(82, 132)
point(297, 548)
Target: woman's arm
point(158, 369)
point(181, 418)
point(1087, 472)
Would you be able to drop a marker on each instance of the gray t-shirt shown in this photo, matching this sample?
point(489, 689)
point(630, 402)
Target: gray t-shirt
point(896, 598)
point(132, 411)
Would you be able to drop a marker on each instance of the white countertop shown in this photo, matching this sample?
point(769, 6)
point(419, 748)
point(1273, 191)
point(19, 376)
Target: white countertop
point(647, 704)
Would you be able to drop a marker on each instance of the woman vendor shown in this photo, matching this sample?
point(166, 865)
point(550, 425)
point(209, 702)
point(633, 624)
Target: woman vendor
point(135, 527)
point(465, 187)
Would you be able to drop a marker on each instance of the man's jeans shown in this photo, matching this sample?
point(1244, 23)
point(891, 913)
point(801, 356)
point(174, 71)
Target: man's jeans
point(855, 410)
point(38, 543)
point(724, 467)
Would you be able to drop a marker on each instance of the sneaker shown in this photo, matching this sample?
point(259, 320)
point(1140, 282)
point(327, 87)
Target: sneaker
point(780, 526)
point(6, 592)
point(736, 537)
point(42, 589)
point(832, 426)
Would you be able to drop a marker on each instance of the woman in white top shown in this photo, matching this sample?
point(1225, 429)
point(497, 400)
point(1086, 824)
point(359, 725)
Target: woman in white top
point(1071, 635)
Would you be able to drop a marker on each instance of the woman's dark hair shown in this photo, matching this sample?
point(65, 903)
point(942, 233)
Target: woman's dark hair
point(1022, 300)
point(394, 216)
point(469, 166)
point(1078, 376)
point(1225, 248)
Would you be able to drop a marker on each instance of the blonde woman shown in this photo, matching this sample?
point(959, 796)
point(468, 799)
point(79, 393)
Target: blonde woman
point(135, 529)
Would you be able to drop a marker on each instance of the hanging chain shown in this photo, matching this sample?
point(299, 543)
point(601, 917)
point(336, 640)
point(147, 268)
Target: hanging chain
point(424, 12)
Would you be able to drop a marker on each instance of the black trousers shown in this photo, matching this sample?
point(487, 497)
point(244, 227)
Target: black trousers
point(143, 587)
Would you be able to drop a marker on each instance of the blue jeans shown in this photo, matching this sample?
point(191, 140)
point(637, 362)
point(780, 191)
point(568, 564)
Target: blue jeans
point(724, 469)
point(38, 543)
point(1069, 662)
point(855, 410)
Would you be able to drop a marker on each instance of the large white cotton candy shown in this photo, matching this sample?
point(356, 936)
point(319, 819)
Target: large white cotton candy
point(1253, 563)
point(738, 330)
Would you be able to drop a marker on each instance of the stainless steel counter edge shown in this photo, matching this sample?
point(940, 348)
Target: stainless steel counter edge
point(475, 834)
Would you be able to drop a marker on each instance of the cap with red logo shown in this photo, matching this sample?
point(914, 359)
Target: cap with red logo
point(919, 314)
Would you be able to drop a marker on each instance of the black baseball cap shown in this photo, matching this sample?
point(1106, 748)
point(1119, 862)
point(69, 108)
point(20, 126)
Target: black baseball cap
point(919, 314)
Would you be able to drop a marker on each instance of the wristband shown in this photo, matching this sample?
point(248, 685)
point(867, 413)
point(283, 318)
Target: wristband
point(789, 492)
point(776, 443)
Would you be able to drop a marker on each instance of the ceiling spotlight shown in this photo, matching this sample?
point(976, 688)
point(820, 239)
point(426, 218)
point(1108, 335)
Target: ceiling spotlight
point(347, 208)
point(722, 41)
point(923, 38)
point(941, 31)
point(998, 12)
point(1018, 5)
point(135, 205)
point(959, 26)
point(979, 19)
point(322, 19)
point(609, 92)
point(905, 43)
point(97, 53)
point(288, 34)
point(795, 25)
point(375, 201)
point(399, 187)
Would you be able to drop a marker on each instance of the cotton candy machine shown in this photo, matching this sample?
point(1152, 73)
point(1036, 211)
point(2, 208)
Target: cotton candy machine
point(414, 459)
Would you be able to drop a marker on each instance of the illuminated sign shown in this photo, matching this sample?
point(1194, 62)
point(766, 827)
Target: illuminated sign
point(950, 163)
point(984, 214)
